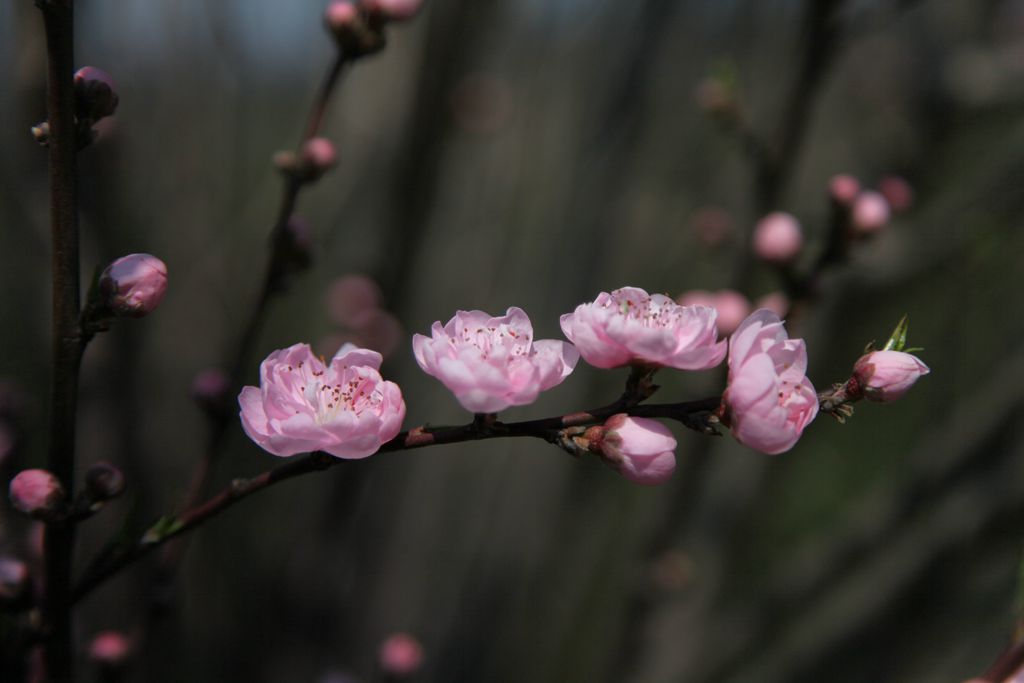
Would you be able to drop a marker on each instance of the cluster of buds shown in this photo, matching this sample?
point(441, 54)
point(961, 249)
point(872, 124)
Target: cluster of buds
point(865, 212)
point(315, 157)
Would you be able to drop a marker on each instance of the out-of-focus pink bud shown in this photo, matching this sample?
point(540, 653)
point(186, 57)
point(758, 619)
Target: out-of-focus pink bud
point(776, 302)
point(13, 579)
point(887, 375)
point(316, 157)
point(95, 95)
point(134, 285)
point(341, 15)
point(37, 493)
point(732, 309)
point(393, 10)
point(110, 649)
point(778, 238)
point(210, 387)
point(844, 189)
point(640, 449)
point(731, 306)
point(713, 225)
point(870, 213)
point(379, 330)
point(400, 655)
point(897, 191)
point(104, 482)
point(357, 30)
point(350, 296)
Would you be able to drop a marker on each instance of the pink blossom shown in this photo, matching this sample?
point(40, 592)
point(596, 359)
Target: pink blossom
point(491, 363)
point(400, 655)
point(887, 375)
point(844, 189)
point(302, 404)
point(640, 449)
point(109, 648)
point(37, 493)
point(897, 191)
point(870, 213)
point(134, 285)
point(631, 326)
point(778, 238)
point(769, 399)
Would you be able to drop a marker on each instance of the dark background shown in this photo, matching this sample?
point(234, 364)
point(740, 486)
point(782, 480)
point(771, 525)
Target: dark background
point(533, 153)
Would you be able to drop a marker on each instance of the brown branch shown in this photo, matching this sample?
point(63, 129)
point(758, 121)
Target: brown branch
point(108, 564)
point(58, 22)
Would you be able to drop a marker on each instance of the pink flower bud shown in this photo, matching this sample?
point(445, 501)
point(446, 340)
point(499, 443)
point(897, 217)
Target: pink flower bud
point(778, 238)
point(37, 493)
point(95, 96)
point(897, 191)
point(341, 15)
point(732, 309)
point(317, 157)
point(350, 296)
point(400, 655)
point(640, 449)
point(13, 579)
point(776, 302)
point(491, 363)
point(343, 407)
point(630, 326)
point(713, 225)
point(210, 387)
point(870, 213)
point(379, 330)
point(104, 482)
point(769, 400)
point(134, 285)
point(887, 375)
point(109, 649)
point(844, 189)
point(393, 10)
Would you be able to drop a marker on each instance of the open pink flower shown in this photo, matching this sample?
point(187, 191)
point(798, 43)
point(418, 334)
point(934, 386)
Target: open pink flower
point(302, 404)
point(492, 363)
point(631, 326)
point(769, 399)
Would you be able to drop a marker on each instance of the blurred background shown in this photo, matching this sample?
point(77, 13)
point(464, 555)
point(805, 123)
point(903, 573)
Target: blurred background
point(533, 153)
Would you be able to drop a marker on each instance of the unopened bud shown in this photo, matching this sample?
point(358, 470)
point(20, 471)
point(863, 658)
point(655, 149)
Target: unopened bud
point(210, 389)
point(778, 238)
point(887, 375)
point(897, 191)
point(134, 285)
point(357, 32)
point(351, 295)
point(316, 157)
point(733, 308)
point(844, 189)
point(870, 213)
point(392, 10)
point(13, 579)
point(41, 133)
point(104, 482)
point(38, 494)
point(640, 449)
point(95, 96)
point(400, 655)
point(776, 302)
point(110, 649)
